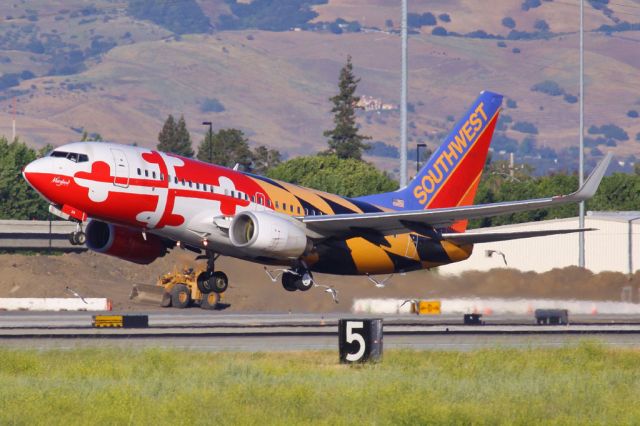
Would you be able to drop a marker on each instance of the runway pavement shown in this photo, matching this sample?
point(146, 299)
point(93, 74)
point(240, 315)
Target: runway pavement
point(218, 331)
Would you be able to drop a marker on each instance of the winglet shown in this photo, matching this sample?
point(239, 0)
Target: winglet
point(590, 186)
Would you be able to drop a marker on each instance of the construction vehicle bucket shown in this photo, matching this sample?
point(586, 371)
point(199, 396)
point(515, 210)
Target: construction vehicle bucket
point(147, 293)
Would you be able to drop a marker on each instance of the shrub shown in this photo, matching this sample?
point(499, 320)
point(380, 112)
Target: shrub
point(569, 98)
point(548, 87)
point(525, 127)
point(211, 105)
point(439, 31)
point(516, 50)
point(541, 25)
point(511, 103)
point(502, 44)
point(632, 113)
point(444, 17)
point(610, 131)
point(530, 4)
point(509, 22)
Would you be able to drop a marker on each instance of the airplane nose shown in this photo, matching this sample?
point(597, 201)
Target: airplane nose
point(33, 169)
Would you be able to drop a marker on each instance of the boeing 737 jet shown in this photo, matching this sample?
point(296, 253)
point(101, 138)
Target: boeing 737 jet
point(140, 203)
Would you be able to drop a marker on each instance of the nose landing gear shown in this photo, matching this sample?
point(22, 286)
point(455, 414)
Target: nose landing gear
point(78, 237)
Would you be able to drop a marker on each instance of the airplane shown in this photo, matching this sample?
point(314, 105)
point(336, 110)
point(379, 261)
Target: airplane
point(140, 203)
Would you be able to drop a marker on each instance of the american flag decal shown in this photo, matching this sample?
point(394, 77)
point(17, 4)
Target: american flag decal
point(398, 202)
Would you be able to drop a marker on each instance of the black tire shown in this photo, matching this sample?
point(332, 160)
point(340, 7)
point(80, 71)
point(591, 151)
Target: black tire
point(180, 296)
point(204, 282)
point(80, 238)
point(210, 301)
point(301, 285)
point(288, 282)
point(72, 239)
point(219, 282)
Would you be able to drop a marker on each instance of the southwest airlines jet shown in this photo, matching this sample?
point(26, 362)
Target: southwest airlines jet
point(140, 203)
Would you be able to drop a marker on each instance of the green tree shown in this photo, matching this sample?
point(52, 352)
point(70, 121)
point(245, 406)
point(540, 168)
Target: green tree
point(227, 147)
point(91, 137)
point(348, 177)
point(17, 199)
point(265, 159)
point(344, 140)
point(175, 138)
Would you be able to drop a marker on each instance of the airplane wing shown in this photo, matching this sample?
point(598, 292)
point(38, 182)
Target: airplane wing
point(388, 223)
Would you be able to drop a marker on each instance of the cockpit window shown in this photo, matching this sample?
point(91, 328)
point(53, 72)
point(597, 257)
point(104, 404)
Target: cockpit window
point(73, 156)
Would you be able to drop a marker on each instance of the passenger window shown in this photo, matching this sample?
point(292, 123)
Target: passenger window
point(233, 194)
point(291, 208)
point(197, 185)
point(253, 199)
point(204, 187)
point(139, 171)
point(190, 184)
point(284, 206)
point(277, 206)
point(184, 183)
point(146, 173)
point(298, 210)
point(161, 176)
point(154, 174)
point(175, 180)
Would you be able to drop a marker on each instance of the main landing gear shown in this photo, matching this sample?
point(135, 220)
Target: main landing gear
point(298, 278)
point(212, 280)
point(78, 237)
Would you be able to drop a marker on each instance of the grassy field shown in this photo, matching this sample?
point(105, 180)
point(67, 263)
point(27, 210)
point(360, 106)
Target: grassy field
point(573, 385)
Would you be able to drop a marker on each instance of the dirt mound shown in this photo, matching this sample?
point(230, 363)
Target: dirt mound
point(96, 275)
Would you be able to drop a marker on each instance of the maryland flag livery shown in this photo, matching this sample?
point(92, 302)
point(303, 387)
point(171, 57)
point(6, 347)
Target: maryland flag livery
point(140, 203)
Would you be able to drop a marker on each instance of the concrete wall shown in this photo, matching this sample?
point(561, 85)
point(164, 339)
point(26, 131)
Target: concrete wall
point(36, 234)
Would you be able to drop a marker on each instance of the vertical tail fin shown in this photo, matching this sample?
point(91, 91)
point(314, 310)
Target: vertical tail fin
point(452, 174)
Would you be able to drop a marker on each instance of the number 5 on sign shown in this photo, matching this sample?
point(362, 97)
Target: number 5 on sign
point(360, 340)
point(355, 337)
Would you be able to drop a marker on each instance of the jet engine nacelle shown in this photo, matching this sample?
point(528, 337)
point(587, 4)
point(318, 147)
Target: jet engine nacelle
point(269, 234)
point(124, 243)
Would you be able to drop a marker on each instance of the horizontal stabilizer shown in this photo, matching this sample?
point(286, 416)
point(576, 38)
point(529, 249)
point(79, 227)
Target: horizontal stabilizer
point(490, 237)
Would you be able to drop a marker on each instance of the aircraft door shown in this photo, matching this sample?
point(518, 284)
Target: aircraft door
point(121, 167)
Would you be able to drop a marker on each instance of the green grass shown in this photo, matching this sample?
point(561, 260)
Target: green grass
point(575, 385)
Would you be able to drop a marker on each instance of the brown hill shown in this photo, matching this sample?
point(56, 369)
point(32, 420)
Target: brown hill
point(275, 86)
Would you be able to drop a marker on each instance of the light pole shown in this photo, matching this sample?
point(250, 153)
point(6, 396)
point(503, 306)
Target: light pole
point(418, 146)
point(581, 262)
point(403, 100)
point(210, 134)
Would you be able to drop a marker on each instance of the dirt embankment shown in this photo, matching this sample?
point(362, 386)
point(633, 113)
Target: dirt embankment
point(96, 275)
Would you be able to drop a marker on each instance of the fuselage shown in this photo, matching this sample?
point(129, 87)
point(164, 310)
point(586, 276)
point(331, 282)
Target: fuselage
point(180, 199)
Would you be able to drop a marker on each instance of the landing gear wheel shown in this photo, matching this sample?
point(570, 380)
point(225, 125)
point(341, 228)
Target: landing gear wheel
point(204, 282)
point(180, 296)
point(219, 282)
point(77, 238)
point(288, 282)
point(210, 301)
point(304, 282)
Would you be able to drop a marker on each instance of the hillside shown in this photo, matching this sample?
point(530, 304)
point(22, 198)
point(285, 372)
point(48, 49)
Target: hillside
point(275, 85)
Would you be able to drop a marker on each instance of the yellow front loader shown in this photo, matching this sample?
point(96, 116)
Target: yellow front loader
point(178, 289)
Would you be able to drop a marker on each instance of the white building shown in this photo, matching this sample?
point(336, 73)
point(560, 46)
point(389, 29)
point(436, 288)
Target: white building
point(613, 246)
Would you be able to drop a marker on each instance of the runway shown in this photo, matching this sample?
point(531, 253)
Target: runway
point(218, 331)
